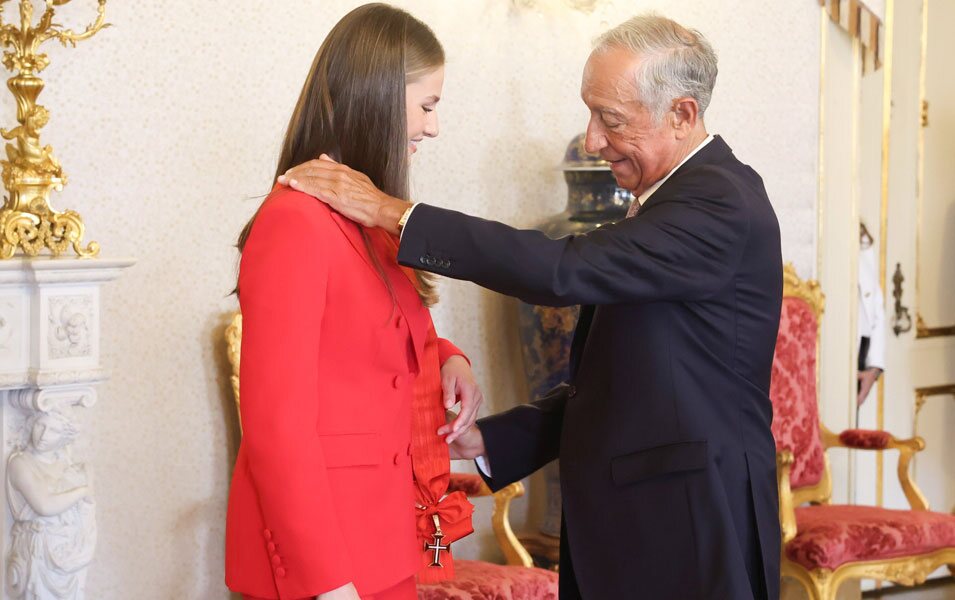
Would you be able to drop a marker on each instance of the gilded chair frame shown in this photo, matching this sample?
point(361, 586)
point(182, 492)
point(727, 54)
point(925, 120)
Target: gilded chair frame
point(822, 584)
point(514, 552)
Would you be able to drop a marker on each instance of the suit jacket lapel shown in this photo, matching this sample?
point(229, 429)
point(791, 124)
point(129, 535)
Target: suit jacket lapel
point(408, 302)
point(403, 283)
point(353, 234)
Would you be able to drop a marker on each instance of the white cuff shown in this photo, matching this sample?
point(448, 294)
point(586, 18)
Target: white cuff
point(483, 465)
point(410, 212)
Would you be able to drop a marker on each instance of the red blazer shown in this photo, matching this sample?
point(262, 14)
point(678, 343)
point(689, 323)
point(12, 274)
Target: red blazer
point(322, 491)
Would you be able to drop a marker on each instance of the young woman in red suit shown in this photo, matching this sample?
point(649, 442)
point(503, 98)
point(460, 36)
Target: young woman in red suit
point(342, 473)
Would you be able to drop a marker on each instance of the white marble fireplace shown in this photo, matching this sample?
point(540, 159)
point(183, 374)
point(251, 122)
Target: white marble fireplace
point(49, 370)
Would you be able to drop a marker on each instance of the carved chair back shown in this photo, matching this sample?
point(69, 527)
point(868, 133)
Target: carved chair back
point(794, 389)
point(233, 338)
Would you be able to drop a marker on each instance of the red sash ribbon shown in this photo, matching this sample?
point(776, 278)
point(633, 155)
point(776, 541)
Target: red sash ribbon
point(432, 472)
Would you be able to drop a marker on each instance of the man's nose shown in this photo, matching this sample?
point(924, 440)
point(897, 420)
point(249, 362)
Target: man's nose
point(594, 141)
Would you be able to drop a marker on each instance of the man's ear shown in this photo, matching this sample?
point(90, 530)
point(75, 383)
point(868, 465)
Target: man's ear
point(684, 114)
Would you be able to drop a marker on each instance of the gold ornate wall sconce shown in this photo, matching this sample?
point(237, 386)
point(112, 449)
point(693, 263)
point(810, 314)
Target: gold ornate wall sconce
point(30, 171)
point(901, 320)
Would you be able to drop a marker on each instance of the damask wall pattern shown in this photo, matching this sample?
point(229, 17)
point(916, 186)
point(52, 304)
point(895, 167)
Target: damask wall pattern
point(168, 125)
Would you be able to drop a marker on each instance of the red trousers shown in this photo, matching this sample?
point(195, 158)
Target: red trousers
point(403, 591)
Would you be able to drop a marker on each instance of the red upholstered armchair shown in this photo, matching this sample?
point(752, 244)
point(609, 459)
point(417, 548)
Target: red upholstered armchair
point(474, 580)
point(825, 544)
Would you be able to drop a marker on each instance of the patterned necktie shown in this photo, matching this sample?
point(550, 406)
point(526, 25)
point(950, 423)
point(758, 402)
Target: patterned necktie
point(634, 208)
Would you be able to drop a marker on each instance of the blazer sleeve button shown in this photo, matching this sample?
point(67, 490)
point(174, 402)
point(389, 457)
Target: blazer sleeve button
point(271, 548)
point(280, 571)
point(268, 534)
point(276, 560)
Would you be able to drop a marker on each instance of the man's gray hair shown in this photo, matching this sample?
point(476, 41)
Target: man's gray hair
point(676, 62)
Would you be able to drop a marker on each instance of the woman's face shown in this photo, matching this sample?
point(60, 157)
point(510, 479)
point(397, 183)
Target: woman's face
point(422, 96)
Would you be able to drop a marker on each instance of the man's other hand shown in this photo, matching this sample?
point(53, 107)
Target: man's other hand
point(468, 445)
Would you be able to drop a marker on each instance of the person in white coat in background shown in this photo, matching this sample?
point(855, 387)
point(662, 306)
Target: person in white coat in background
point(871, 317)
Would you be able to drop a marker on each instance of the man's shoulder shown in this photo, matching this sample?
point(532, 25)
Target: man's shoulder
point(705, 181)
point(725, 177)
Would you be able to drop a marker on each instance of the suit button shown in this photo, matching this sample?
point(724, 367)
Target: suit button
point(431, 261)
point(276, 561)
point(399, 321)
point(271, 548)
point(423, 260)
point(446, 264)
point(395, 459)
point(280, 572)
point(396, 382)
point(267, 534)
point(571, 391)
point(408, 451)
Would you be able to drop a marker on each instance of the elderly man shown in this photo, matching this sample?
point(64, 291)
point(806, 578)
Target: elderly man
point(663, 432)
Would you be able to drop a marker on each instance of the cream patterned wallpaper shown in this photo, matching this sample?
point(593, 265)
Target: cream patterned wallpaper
point(168, 125)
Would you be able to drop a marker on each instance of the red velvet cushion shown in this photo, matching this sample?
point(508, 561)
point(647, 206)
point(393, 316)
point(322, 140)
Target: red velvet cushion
point(830, 536)
point(478, 580)
point(865, 439)
point(793, 392)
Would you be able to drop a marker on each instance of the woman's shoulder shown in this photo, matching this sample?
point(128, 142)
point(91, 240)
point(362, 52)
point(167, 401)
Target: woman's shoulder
point(285, 203)
point(288, 212)
point(290, 220)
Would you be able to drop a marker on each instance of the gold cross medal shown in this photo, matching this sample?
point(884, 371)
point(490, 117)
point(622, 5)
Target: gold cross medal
point(436, 545)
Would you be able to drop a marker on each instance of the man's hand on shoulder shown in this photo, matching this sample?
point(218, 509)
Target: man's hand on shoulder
point(347, 191)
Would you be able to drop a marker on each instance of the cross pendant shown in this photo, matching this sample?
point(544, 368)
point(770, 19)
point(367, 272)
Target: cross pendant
point(436, 545)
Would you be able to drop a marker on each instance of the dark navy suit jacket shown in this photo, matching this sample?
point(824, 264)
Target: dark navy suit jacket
point(667, 462)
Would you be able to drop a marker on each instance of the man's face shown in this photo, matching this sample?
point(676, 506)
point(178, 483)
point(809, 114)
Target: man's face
point(621, 129)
